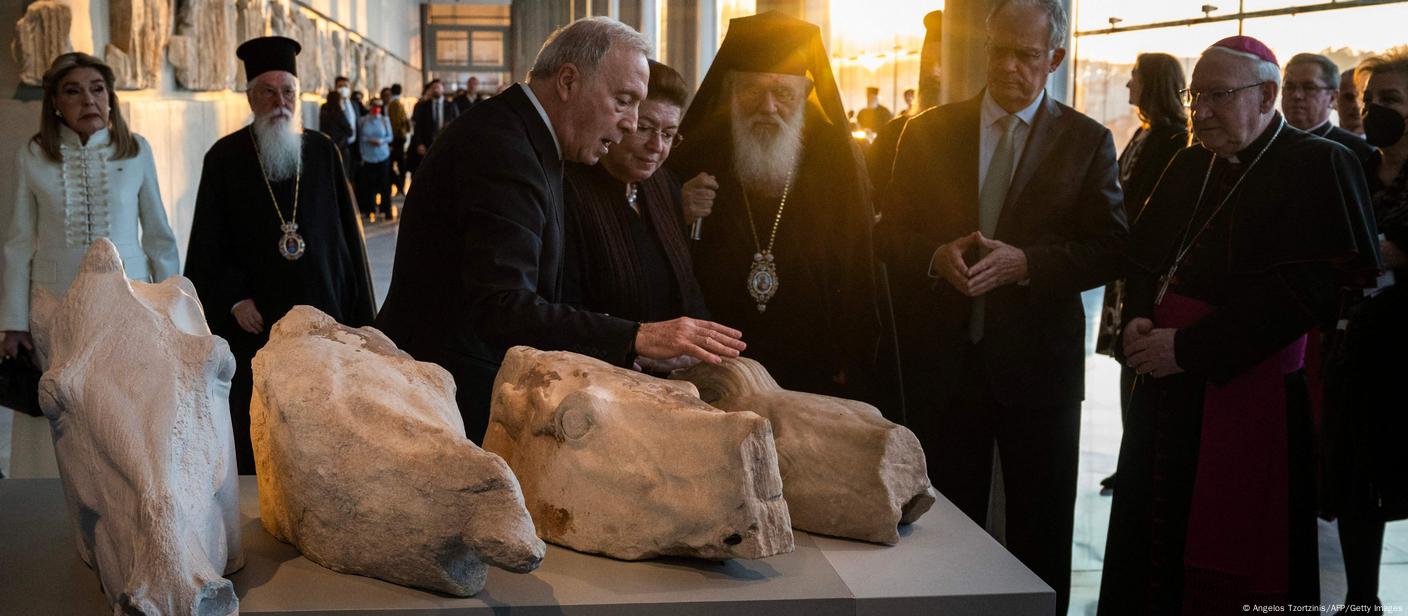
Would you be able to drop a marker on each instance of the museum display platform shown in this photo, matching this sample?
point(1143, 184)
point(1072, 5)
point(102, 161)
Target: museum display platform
point(944, 564)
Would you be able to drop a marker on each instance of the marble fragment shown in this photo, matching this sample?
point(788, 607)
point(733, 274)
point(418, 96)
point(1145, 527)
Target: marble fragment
point(846, 470)
point(203, 50)
point(364, 466)
point(619, 463)
point(137, 395)
point(310, 60)
point(140, 29)
point(249, 24)
point(41, 35)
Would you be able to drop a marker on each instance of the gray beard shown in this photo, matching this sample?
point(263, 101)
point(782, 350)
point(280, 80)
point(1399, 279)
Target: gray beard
point(280, 144)
point(763, 159)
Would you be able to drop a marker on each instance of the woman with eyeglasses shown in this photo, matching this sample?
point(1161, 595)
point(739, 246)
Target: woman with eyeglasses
point(1154, 85)
point(82, 177)
point(626, 250)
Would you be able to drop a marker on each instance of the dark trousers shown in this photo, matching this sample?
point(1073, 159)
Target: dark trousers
point(1039, 449)
point(398, 164)
point(374, 179)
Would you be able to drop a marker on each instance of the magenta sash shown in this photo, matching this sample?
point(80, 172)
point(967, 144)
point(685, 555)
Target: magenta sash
point(1238, 523)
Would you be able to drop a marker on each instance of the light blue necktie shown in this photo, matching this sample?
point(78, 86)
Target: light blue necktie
point(990, 200)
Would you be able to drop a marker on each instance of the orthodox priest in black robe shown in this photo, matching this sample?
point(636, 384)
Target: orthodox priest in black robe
point(1239, 252)
point(275, 226)
point(785, 256)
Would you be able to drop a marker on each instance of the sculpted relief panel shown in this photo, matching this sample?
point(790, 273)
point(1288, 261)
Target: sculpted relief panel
point(138, 398)
point(846, 470)
point(619, 463)
point(203, 49)
point(140, 29)
point(40, 36)
point(249, 25)
point(364, 465)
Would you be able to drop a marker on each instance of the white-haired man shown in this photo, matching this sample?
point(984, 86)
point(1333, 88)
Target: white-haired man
point(479, 256)
point(275, 226)
point(1240, 250)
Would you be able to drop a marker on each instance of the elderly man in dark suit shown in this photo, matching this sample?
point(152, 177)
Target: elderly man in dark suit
point(479, 260)
point(1002, 209)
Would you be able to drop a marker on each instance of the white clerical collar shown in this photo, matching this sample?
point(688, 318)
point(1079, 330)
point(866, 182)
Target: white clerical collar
point(992, 112)
point(533, 98)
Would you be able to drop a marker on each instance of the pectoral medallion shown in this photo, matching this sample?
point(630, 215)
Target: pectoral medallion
point(291, 245)
point(762, 279)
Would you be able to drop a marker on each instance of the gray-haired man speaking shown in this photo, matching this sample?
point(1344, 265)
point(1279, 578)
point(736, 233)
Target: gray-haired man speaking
point(479, 258)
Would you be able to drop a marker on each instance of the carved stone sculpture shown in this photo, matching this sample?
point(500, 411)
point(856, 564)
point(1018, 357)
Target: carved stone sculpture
point(140, 29)
point(846, 470)
point(249, 25)
point(203, 49)
point(279, 22)
point(338, 64)
point(138, 398)
point(364, 466)
point(310, 60)
point(619, 463)
point(40, 36)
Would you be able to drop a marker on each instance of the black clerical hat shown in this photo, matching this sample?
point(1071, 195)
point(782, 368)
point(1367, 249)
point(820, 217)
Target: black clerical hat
point(269, 53)
point(769, 42)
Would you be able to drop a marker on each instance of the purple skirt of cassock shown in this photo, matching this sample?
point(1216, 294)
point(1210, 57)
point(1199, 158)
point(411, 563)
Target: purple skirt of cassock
point(1238, 539)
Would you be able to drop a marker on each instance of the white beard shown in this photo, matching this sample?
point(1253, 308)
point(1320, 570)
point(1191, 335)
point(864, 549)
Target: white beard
point(279, 135)
point(764, 157)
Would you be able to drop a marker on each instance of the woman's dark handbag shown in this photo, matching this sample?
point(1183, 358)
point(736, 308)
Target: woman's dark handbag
point(19, 384)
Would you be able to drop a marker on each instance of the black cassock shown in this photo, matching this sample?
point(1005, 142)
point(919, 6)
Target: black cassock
point(1214, 504)
point(234, 253)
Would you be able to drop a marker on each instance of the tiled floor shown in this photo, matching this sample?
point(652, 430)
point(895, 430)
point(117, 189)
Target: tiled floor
point(1100, 436)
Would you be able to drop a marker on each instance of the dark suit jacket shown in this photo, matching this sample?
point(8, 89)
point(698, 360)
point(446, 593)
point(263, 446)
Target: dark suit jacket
point(1159, 147)
point(333, 123)
point(479, 255)
point(1356, 144)
point(423, 123)
point(1063, 209)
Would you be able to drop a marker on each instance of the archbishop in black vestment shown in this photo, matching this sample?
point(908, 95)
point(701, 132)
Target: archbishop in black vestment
point(236, 250)
point(820, 331)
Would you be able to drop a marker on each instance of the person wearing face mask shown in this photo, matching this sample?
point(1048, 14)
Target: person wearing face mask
point(626, 249)
point(374, 176)
point(1364, 423)
point(83, 176)
point(431, 114)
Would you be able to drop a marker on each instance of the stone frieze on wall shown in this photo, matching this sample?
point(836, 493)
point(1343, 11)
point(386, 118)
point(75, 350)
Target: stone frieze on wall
point(203, 49)
point(140, 31)
point(249, 24)
point(40, 36)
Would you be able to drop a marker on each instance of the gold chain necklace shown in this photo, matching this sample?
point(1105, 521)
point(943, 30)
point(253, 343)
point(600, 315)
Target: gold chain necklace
point(291, 244)
point(762, 277)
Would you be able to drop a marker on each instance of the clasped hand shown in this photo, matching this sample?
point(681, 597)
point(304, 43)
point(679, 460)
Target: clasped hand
point(1003, 264)
point(1149, 350)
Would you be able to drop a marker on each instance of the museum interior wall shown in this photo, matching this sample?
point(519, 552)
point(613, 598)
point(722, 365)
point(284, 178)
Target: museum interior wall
point(182, 90)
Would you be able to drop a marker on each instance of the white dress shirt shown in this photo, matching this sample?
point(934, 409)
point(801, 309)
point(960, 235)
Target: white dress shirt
point(533, 98)
point(990, 133)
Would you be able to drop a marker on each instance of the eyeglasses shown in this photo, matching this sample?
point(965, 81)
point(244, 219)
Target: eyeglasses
point(1191, 97)
point(268, 93)
point(646, 133)
point(783, 94)
point(1308, 88)
point(1025, 55)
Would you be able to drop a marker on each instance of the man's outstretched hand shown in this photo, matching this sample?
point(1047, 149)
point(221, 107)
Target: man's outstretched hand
point(703, 340)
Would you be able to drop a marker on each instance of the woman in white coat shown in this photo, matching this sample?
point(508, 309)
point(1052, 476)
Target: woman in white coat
point(82, 177)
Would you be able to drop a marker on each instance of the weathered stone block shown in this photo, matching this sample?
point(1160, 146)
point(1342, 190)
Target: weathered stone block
point(203, 49)
point(364, 466)
point(140, 29)
point(619, 463)
point(40, 36)
point(846, 470)
point(138, 398)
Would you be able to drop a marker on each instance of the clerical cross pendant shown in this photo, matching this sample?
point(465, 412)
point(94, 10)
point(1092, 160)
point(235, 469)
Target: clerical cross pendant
point(291, 245)
point(1164, 282)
